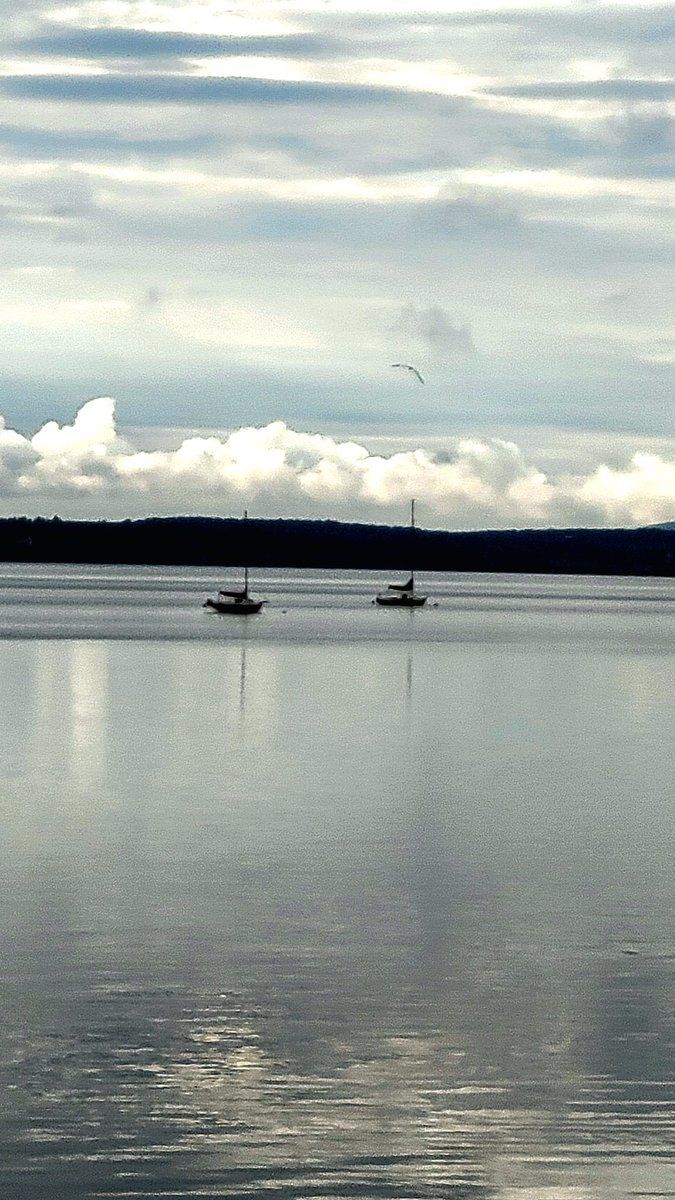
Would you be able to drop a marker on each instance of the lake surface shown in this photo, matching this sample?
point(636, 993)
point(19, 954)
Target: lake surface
point(336, 901)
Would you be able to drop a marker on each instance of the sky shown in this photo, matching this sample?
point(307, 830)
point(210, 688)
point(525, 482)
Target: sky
point(222, 223)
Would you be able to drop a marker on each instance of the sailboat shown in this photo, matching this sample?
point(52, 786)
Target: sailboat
point(403, 595)
point(237, 601)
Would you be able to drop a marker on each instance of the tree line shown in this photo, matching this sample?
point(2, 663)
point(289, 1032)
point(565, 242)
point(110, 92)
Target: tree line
point(226, 541)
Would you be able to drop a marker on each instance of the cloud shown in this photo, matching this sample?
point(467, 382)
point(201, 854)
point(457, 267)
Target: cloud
point(128, 88)
point(82, 457)
point(596, 89)
point(109, 42)
point(17, 456)
point(431, 331)
point(38, 142)
point(639, 490)
point(87, 470)
point(605, 23)
point(505, 169)
point(112, 42)
point(151, 299)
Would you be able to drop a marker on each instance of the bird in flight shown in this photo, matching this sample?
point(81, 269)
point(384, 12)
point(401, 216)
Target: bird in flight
point(409, 367)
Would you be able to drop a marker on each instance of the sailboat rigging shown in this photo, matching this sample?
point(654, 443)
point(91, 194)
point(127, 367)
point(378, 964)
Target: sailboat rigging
point(403, 595)
point(235, 601)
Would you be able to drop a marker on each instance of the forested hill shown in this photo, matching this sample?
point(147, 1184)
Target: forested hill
point(207, 541)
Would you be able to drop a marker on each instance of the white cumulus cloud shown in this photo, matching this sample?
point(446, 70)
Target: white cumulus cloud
point(88, 470)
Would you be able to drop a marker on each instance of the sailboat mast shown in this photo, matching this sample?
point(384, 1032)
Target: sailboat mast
point(412, 541)
point(246, 557)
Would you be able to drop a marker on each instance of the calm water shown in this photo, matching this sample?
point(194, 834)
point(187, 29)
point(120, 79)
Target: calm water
point(335, 901)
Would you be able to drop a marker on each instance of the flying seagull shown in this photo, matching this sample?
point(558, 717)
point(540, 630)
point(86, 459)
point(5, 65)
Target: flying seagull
point(408, 367)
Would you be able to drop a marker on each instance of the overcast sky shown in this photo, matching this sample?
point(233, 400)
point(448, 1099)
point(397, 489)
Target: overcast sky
point(233, 218)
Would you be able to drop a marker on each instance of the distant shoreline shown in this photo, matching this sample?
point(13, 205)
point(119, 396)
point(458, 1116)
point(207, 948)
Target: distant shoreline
point(226, 541)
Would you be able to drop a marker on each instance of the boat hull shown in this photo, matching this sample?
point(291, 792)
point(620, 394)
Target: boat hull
point(234, 608)
point(400, 601)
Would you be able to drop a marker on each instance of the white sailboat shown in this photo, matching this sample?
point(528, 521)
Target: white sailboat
point(403, 595)
point(236, 602)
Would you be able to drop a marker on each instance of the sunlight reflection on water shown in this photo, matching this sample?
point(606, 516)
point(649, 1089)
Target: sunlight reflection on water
point(340, 917)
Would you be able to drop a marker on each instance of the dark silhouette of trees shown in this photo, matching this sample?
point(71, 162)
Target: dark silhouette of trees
point(214, 541)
